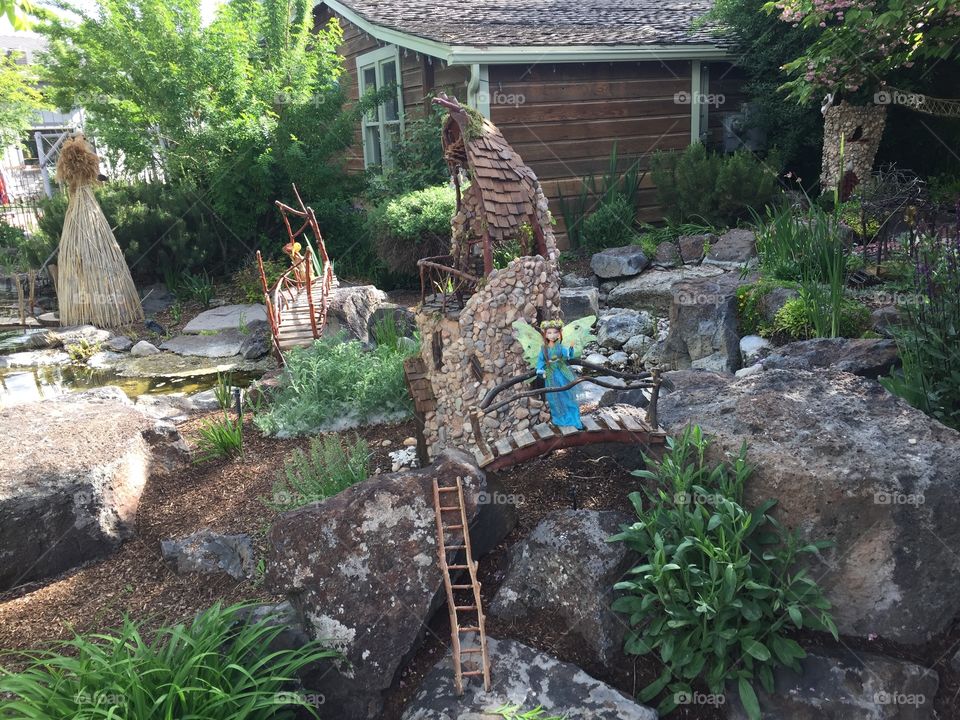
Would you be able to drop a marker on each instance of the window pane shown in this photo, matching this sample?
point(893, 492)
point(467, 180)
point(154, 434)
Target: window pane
point(391, 107)
point(372, 146)
point(391, 136)
point(369, 85)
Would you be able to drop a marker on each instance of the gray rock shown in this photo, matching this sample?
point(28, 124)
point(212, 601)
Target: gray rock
point(617, 327)
point(35, 358)
point(170, 365)
point(144, 348)
point(292, 635)
point(80, 333)
point(156, 298)
point(118, 343)
point(667, 256)
point(749, 370)
point(596, 359)
point(175, 408)
point(772, 301)
point(638, 344)
point(847, 462)
point(703, 324)
point(227, 317)
point(576, 303)
point(404, 320)
point(566, 569)
point(205, 401)
point(692, 247)
point(843, 685)
point(257, 343)
point(619, 262)
point(572, 280)
point(74, 468)
point(208, 552)
point(753, 347)
point(869, 357)
point(653, 357)
point(637, 398)
point(734, 247)
point(527, 678)
point(351, 309)
point(225, 343)
point(361, 569)
point(619, 358)
point(653, 289)
point(885, 320)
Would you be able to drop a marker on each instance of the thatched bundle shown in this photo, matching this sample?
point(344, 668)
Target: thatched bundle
point(94, 284)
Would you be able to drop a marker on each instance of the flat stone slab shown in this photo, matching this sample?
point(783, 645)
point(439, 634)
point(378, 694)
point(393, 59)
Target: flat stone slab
point(524, 677)
point(652, 290)
point(868, 357)
point(34, 358)
point(228, 317)
point(619, 262)
point(219, 345)
point(169, 365)
point(733, 247)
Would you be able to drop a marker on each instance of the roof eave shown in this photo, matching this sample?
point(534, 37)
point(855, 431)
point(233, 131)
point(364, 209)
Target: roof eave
point(506, 55)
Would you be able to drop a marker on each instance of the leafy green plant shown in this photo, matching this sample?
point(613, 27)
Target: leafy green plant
point(695, 184)
point(223, 390)
point(719, 586)
point(750, 301)
point(196, 287)
point(412, 226)
point(803, 317)
point(330, 466)
point(220, 438)
point(610, 225)
point(219, 666)
point(247, 278)
point(176, 312)
point(929, 340)
point(516, 712)
point(337, 383)
point(82, 350)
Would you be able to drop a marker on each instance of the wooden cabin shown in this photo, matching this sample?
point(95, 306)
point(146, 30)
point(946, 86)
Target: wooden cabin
point(562, 79)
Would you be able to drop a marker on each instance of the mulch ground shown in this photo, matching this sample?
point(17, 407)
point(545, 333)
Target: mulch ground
point(227, 497)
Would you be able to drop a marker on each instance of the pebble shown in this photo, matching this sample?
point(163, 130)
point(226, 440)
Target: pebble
point(409, 442)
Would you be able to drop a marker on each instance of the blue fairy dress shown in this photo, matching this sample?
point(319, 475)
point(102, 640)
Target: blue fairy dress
point(552, 365)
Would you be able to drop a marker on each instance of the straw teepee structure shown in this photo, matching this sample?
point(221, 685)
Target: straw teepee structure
point(93, 281)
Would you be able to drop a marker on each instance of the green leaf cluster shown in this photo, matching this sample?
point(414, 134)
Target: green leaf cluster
point(330, 466)
point(719, 588)
point(412, 226)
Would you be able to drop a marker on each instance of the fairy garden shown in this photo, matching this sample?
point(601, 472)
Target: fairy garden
point(354, 383)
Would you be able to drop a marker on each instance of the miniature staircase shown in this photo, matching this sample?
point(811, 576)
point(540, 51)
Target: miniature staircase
point(463, 599)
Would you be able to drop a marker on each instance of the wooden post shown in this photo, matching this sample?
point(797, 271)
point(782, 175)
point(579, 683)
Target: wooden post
point(475, 416)
point(308, 262)
point(654, 397)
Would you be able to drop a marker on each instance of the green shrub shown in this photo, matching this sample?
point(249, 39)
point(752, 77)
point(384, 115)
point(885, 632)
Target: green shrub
point(413, 226)
point(330, 466)
point(162, 229)
point(695, 184)
point(719, 587)
point(20, 251)
point(799, 318)
point(750, 298)
point(220, 666)
point(220, 438)
point(610, 225)
point(929, 340)
point(336, 383)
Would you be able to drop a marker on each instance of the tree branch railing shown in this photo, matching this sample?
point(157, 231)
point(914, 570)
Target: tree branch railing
point(642, 381)
point(437, 274)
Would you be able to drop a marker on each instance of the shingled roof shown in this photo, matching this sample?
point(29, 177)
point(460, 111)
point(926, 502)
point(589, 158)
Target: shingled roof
point(542, 22)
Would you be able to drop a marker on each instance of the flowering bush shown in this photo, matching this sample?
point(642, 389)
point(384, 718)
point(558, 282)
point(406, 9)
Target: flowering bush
point(863, 42)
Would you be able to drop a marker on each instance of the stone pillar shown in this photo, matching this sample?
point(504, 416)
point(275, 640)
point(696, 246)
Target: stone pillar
point(862, 127)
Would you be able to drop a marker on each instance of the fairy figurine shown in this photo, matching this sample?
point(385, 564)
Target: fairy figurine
point(548, 350)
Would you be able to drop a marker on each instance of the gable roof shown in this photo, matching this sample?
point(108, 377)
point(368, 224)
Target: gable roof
point(477, 30)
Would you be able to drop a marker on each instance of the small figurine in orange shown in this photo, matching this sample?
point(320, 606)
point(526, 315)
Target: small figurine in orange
point(300, 270)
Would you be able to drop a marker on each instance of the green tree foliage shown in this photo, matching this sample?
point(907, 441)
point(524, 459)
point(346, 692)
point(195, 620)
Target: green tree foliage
point(762, 44)
point(21, 99)
point(412, 226)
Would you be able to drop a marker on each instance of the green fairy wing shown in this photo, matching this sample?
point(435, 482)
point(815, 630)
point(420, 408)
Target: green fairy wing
point(530, 340)
point(579, 334)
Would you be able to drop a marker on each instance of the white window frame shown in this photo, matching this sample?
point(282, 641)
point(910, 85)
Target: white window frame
point(376, 59)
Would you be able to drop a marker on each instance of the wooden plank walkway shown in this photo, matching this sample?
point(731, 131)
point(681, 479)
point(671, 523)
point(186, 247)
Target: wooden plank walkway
point(295, 328)
point(620, 423)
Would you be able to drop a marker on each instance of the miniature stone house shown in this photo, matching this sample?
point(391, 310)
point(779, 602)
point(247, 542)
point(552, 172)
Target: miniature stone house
point(468, 305)
point(861, 126)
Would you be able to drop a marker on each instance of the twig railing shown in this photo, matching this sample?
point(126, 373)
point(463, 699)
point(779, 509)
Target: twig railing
point(640, 381)
point(438, 276)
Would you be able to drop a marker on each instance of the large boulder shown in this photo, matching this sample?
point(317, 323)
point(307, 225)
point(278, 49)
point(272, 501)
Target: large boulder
point(350, 311)
point(703, 324)
point(734, 247)
point(576, 303)
point(566, 569)
point(226, 317)
point(619, 262)
point(693, 247)
point(869, 357)
point(617, 327)
point(225, 343)
point(653, 289)
point(361, 570)
point(845, 685)
point(848, 462)
point(74, 468)
point(402, 318)
point(524, 677)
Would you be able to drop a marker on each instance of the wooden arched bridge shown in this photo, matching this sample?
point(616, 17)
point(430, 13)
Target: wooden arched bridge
point(619, 423)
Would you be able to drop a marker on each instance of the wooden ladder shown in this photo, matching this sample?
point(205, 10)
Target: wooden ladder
point(447, 502)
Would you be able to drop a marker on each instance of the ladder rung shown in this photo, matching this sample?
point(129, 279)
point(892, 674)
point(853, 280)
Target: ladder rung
point(470, 628)
point(453, 527)
point(457, 567)
point(471, 673)
point(454, 547)
point(464, 651)
point(453, 489)
point(455, 508)
point(464, 608)
point(461, 587)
